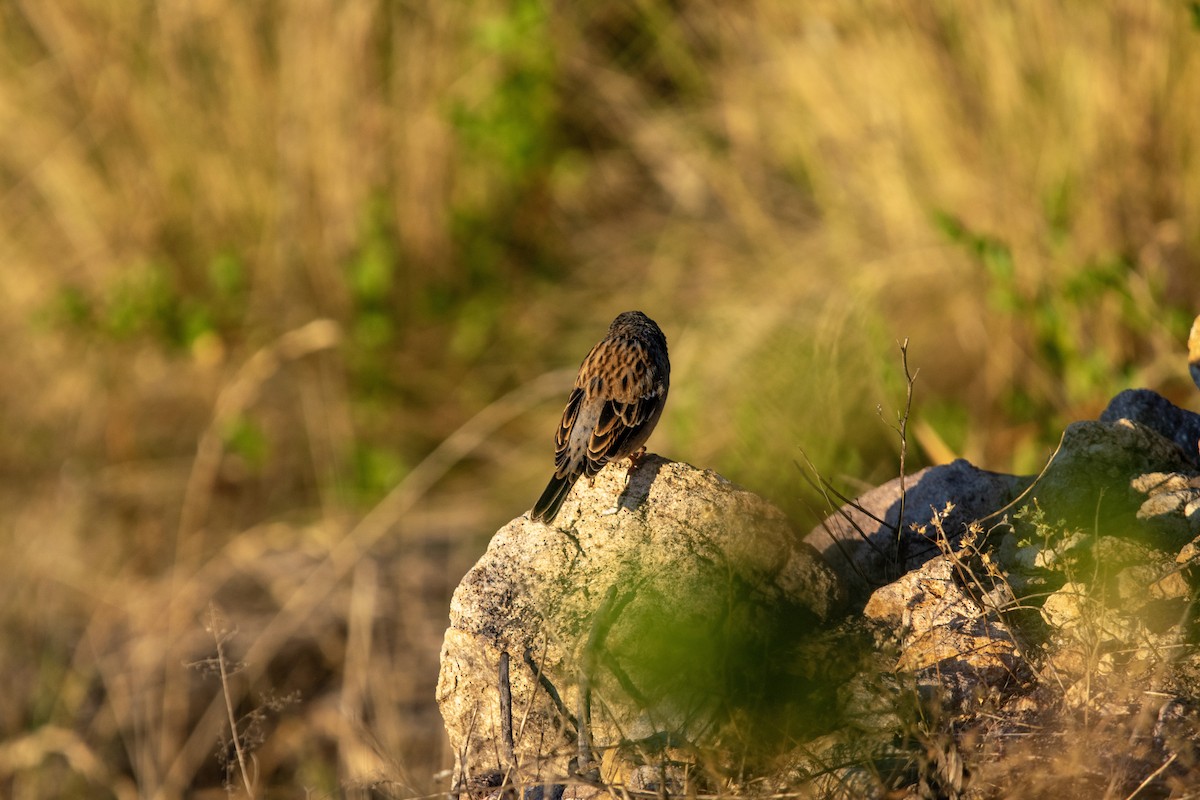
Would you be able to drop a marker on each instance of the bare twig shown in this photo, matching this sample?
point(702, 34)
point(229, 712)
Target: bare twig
point(901, 428)
point(1152, 776)
point(909, 379)
point(827, 489)
point(550, 690)
point(1037, 479)
point(220, 635)
point(506, 718)
point(583, 713)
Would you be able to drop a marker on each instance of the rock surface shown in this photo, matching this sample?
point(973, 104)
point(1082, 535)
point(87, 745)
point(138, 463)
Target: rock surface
point(646, 615)
point(1157, 413)
point(868, 547)
point(948, 638)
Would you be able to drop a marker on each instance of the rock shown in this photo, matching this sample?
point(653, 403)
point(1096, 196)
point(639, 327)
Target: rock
point(1111, 490)
point(859, 540)
point(946, 636)
point(1032, 556)
point(693, 587)
point(1152, 410)
point(1090, 475)
point(1139, 585)
point(1172, 505)
point(1189, 553)
point(1155, 483)
point(1069, 607)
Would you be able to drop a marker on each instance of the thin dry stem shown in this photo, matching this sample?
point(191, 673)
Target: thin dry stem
point(220, 635)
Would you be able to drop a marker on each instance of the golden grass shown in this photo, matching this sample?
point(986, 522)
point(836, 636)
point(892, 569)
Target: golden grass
point(469, 194)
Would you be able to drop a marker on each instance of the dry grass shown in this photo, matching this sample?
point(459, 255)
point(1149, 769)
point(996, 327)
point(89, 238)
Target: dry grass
point(467, 195)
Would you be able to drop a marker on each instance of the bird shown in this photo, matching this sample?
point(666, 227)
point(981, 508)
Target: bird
point(1194, 351)
point(617, 400)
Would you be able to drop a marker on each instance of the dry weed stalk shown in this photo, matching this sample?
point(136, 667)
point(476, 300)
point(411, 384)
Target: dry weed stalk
point(218, 626)
point(901, 429)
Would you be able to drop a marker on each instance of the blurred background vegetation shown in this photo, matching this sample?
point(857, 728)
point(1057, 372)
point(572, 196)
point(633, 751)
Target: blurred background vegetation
point(260, 260)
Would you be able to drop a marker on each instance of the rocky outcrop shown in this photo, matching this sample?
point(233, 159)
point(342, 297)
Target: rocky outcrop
point(957, 602)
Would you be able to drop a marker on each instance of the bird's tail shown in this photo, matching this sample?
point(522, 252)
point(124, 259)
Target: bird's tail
point(546, 508)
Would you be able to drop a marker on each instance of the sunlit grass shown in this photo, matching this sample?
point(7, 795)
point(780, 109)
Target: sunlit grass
point(471, 194)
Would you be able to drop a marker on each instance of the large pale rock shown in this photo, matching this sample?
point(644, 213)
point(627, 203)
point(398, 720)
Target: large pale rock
point(677, 611)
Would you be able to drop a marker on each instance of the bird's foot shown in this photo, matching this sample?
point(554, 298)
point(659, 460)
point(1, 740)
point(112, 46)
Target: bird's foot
point(635, 461)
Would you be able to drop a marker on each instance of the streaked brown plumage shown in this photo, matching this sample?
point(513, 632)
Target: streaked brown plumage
point(618, 397)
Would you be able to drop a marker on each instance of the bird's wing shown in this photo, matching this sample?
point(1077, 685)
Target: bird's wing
point(619, 424)
point(562, 438)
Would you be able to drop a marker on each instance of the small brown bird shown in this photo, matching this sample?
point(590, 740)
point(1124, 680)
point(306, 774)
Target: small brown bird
point(618, 397)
